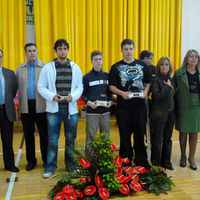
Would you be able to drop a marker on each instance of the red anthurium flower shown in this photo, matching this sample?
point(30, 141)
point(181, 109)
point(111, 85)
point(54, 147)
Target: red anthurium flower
point(144, 185)
point(71, 197)
point(85, 163)
point(90, 190)
point(126, 179)
point(113, 148)
point(125, 160)
point(79, 194)
point(118, 161)
point(103, 192)
point(124, 189)
point(68, 189)
point(98, 181)
point(135, 186)
point(128, 169)
point(134, 177)
point(119, 170)
point(140, 169)
point(120, 178)
point(85, 179)
point(60, 196)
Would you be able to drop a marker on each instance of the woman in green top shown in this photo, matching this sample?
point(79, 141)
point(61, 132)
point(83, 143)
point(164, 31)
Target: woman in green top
point(188, 105)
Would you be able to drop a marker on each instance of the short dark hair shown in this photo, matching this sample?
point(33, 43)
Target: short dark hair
point(61, 42)
point(29, 44)
point(145, 54)
point(1, 51)
point(96, 53)
point(127, 41)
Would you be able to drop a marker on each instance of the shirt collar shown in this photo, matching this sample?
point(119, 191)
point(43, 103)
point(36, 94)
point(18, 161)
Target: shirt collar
point(0, 69)
point(34, 64)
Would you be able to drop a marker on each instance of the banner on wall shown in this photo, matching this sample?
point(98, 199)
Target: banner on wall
point(29, 12)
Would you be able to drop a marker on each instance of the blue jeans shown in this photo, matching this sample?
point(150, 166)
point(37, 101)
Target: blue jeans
point(70, 129)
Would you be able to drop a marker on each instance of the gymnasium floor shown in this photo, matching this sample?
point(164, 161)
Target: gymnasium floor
point(31, 186)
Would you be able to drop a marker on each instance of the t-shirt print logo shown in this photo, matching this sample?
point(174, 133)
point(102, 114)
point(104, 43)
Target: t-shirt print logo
point(131, 77)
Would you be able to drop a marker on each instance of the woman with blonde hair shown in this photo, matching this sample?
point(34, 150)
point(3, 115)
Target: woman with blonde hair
point(162, 114)
point(188, 105)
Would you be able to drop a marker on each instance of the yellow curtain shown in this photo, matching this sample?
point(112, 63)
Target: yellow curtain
point(89, 25)
point(12, 32)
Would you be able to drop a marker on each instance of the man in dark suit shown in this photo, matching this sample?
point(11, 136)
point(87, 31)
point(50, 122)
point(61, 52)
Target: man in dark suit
point(8, 88)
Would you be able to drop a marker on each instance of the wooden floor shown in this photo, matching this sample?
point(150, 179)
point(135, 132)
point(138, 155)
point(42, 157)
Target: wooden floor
point(31, 185)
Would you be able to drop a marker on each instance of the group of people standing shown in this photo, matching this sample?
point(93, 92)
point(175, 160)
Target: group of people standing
point(48, 95)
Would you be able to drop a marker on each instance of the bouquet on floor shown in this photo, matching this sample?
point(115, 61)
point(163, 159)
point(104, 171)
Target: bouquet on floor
point(106, 173)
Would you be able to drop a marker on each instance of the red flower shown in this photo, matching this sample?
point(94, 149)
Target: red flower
point(135, 186)
point(85, 179)
point(140, 169)
point(134, 177)
point(85, 163)
point(144, 185)
point(98, 181)
point(68, 189)
point(125, 160)
point(60, 196)
point(103, 192)
point(120, 178)
point(119, 170)
point(128, 169)
point(113, 148)
point(118, 161)
point(124, 189)
point(71, 197)
point(123, 179)
point(79, 194)
point(90, 190)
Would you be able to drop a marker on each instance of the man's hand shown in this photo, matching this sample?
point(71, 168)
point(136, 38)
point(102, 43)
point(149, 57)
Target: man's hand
point(69, 98)
point(144, 94)
point(109, 104)
point(92, 104)
point(57, 98)
point(125, 95)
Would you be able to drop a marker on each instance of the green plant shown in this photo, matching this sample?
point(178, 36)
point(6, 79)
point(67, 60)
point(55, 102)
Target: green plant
point(105, 165)
point(157, 181)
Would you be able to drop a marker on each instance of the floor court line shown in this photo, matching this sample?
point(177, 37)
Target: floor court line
point(14, 174)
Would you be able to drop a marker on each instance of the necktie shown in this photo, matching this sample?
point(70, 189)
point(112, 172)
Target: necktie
point(1, 93)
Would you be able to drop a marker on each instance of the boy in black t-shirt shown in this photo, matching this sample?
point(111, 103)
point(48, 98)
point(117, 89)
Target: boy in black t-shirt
point(127, 77)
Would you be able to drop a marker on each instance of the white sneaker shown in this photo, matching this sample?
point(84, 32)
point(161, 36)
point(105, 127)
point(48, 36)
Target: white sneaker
point(47, 174)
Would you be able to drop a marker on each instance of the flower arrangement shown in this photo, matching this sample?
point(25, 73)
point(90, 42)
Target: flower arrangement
point(106, 173)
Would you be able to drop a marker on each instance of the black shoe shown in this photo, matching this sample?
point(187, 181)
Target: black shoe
point(168, 166)
point(30, 166)
point(182, 164)
point(12, 169)
point(194, 167)
point(146, 165)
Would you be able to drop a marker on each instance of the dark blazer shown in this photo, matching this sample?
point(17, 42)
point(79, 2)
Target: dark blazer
point(10, 92)
point(162, 99)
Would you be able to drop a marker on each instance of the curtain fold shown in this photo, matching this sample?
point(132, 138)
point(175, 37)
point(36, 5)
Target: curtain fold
point(89, 25)
point(12, 32)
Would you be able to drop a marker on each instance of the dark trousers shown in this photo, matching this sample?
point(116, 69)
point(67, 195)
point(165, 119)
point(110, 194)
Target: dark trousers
point(28, 122)
point(132, 121)
point(161, 143)
point(7, 138)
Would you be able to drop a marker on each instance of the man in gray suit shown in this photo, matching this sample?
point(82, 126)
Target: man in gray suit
point(8, 88)
point(32, 105)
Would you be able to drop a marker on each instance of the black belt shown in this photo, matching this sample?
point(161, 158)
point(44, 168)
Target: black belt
point(2, 106)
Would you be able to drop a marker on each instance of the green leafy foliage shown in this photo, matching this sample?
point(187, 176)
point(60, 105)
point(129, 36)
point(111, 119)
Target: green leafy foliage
point(157, 181)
